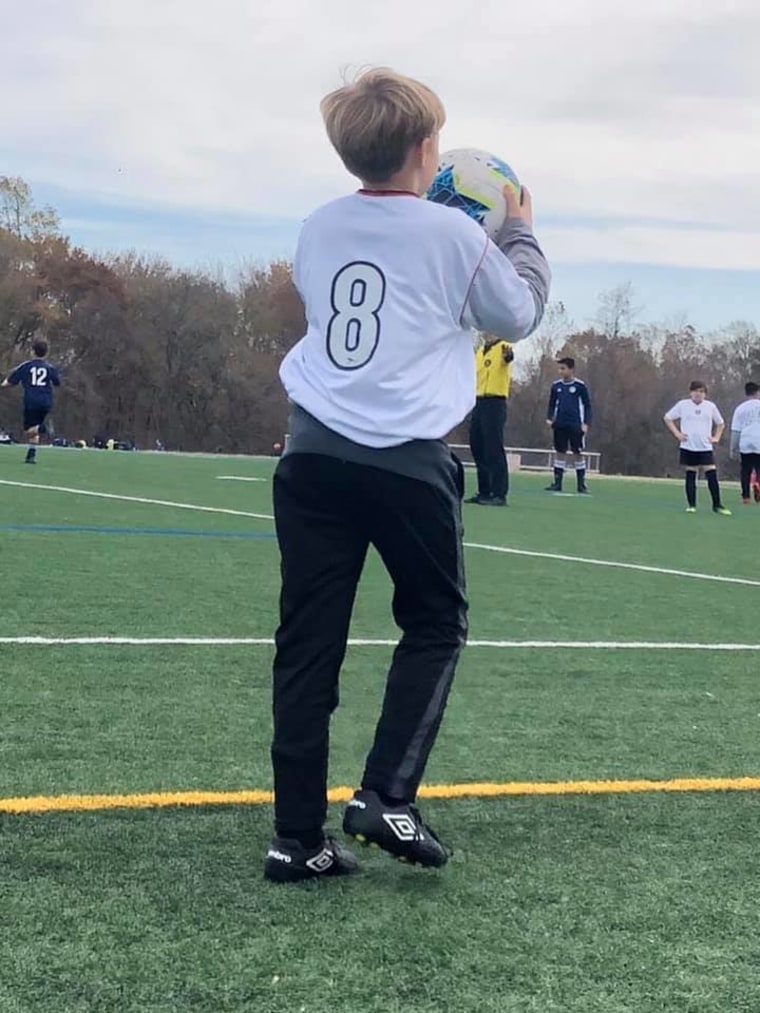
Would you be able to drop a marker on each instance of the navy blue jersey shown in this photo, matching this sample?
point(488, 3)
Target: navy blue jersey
point(569, 404)
point(38, 378)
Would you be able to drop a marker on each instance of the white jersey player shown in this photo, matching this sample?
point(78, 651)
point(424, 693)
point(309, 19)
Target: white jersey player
point(392, 286)
point(387, 356)
point(745, 440)
point(698, 425)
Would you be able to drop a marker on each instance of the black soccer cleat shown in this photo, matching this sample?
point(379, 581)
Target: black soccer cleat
point(553, 488)
point(289, 861)
point(399, 830)
point(583, 490)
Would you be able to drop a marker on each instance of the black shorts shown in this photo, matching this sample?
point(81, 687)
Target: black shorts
point(566, 438)
point(34, 415)
point(697, 458)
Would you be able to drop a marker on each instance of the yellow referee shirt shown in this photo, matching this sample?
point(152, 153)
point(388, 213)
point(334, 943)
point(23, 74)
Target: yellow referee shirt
point(494, 374)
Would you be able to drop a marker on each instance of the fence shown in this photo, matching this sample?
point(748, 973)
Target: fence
point(528, 458)
point(518, 458)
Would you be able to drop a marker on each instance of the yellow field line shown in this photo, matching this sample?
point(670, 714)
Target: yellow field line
point(155, 800)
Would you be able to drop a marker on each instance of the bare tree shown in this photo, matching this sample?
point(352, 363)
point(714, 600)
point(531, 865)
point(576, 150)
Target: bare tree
point(617, 311)
point(149, 351)
point(20, 216)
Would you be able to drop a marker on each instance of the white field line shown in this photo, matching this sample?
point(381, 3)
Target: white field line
point(469, 545)
point(140, 499)
point(584, 645)
point(238, 478)
point(613, 563)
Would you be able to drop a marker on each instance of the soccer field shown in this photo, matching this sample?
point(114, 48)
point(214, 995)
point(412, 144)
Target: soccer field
point(598, 780)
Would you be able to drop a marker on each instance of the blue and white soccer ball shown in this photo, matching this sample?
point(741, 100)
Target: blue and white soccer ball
point(473, 181)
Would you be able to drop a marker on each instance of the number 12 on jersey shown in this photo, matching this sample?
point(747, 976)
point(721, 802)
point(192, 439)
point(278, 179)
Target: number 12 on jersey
point(353, 332)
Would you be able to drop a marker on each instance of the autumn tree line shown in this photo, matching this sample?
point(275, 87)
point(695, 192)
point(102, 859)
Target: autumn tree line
point(151, 351)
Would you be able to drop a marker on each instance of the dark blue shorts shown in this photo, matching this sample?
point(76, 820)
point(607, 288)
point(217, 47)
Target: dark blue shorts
point(568, 438)
point(34, 415)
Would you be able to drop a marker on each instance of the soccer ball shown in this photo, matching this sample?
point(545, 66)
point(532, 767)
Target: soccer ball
point(473, 181)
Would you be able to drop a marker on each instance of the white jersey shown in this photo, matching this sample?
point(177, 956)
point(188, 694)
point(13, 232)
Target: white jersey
point(392, 287)
point(746, 422)
point(696, 422)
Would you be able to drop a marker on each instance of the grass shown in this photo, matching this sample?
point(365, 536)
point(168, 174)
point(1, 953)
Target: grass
point(604, 903)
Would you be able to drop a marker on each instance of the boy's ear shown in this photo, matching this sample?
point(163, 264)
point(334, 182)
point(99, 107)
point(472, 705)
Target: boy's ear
point(427, 147)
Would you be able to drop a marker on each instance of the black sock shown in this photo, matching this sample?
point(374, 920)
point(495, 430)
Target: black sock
point(31, 453)
point(691, 488)
point(308, 839)
point(390, 800)
point(559, 474)
point(712, 485)
point(580, 475)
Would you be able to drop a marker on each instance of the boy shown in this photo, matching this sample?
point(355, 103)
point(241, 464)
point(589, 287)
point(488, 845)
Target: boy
point(745, 440)
point(493, 369)
point(392, 287)
point(38, 378)
point(569, 415)
point(700, 427)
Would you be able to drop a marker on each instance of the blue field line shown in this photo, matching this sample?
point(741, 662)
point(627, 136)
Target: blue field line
point(83, 529)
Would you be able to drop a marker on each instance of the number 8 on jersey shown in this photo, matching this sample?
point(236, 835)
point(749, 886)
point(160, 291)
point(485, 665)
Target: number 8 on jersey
point(353, 333)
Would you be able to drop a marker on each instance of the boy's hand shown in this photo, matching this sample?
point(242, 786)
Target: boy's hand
point(519, 207)
point(714, 439)
point(584, 428)
point(549, 422)
point(682, 437)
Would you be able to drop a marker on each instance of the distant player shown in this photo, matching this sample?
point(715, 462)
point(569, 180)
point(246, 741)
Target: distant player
point(698, 426)
point(393, 287)
point(745, 440)
point(38, 378)
point(493, 368)
point(569, 415)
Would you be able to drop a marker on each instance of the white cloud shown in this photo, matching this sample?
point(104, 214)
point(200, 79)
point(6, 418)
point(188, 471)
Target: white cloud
point(642, 111)
point(668, 247)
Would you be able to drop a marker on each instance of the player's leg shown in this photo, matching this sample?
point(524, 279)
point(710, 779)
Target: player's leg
point(577, 446)
point(31, 431)
point(579, 460)
point(689, 461)
point(506, 456)
point(30, 434)
point(561, 445)
point(745, 476)
point(478, 453)
point(496, 459)
point(750, 477)
point(34, 427)
point(417, 529)
point(323, 545)
point(690, 484)
point(711, 476)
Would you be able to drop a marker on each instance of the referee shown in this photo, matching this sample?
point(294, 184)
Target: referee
point(493, 361)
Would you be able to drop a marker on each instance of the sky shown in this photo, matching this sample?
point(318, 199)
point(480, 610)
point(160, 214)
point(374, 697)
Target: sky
point(191, 128)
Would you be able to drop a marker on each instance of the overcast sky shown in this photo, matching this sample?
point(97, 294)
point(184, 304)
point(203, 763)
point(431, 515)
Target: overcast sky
point(191, 128)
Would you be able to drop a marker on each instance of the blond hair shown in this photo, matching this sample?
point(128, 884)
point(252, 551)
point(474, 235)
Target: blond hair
point(374, 121)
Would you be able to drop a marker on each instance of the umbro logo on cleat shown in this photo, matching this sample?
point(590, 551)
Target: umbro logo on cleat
point(320, 862)
point(279, 856)
point(403, 826)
